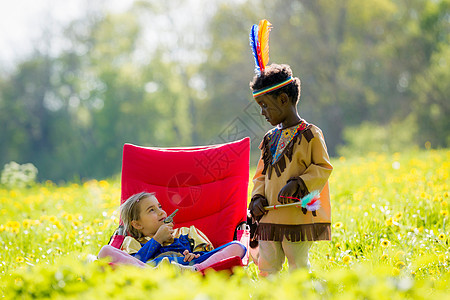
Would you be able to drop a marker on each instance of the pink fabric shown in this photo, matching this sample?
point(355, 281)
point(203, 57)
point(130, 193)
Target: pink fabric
point(208, 184)
point(243, 236)
point(225, 253)
point(119, 257)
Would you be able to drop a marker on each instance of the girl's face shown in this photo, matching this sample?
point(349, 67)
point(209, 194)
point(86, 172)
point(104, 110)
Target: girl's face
point(151, 216)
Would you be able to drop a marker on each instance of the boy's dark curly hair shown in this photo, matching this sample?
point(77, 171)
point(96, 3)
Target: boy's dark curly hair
point(274, 74)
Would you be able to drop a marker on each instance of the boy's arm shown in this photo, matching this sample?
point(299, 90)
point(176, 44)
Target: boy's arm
point(316, 175)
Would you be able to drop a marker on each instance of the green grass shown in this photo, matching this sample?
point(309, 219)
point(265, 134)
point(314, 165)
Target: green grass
point(390, 240)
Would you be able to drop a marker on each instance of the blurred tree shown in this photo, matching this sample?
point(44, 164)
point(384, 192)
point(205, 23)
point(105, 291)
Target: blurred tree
point(172, 74)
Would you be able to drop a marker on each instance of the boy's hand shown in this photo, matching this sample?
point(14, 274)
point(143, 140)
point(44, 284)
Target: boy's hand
point(164, 233)
point(189, 256)
point(256, 206)
point(287, 191)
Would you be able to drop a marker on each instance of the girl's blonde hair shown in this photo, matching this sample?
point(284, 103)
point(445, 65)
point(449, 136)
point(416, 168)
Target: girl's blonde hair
point(130, 211)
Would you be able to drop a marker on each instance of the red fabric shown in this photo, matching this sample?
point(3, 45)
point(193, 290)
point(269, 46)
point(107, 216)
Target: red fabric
point(208, 184)
point(226, 264)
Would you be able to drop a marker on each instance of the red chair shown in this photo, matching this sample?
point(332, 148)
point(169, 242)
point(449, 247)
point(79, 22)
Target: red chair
point(208, 184)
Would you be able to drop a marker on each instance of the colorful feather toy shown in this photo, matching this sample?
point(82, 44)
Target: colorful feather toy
point(310, 202)
point(259, 43)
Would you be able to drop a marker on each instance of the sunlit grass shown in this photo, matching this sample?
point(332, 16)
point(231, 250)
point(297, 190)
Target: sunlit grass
point(390, 235)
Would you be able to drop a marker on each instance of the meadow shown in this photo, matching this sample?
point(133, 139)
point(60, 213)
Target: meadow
point(390, 241)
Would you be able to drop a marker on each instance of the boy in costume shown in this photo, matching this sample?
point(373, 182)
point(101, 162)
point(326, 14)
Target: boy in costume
point(294, 162)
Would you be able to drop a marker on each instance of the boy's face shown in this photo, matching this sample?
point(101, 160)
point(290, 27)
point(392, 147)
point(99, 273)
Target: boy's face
point(151, 216)
point(272, 108)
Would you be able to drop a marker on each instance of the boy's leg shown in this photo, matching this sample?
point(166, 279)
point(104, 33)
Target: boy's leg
point(271, 257)
point(297, 253)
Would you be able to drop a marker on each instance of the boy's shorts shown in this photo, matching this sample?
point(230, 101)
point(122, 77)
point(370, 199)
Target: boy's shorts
point(272, 255)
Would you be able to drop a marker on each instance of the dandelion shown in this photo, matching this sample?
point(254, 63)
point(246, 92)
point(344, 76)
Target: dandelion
point(444, 212)
point(15, 230)
point(398, 216)
point(52, 219)
point(346, 259)
point(441, 236)
point(49, 240)
point(56, 236)
point(444, 204)
point(20, 259)
point(400, 265)
point(389, 222)
point(384, 257)
point(338, 245)
point(385, 243)
point(338, 225)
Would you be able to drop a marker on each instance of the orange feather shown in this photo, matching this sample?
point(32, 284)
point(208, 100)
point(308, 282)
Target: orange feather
point(263, 38)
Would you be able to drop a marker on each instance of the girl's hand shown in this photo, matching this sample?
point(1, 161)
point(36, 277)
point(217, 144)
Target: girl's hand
point(164, 233)
point(189, 256)
point(287, 191)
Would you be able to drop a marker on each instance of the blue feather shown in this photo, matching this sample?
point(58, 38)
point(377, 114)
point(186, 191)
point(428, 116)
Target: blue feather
point(253, 45)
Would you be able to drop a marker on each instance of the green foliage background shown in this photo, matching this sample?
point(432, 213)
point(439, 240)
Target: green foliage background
point(163, 74)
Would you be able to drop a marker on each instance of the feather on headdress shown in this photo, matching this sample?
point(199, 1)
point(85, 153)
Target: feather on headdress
point(259, 43)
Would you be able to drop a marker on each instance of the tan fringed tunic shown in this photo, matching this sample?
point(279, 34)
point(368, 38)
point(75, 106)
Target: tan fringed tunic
point(297, 151)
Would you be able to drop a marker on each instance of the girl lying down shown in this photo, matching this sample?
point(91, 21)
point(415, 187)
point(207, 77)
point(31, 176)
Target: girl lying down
point(152, 240)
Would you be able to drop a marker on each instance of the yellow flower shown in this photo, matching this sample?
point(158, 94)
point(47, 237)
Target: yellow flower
point(400, 265)
point(444, 204)
point(338, 245)
point(103, 183)
point(441, 236)
point(442, 258)
point(444, 212)
point(338, 225)
point(398, 216)
point(49, 240)
point(15, 230)
point(395, 271)
point(385, 243)
point(20, 259)
point(69, 217)
point(389, 222)
point(346, 259)
point(384, 257)
point(56, 236)
point(52, 219)
point(26, 223)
